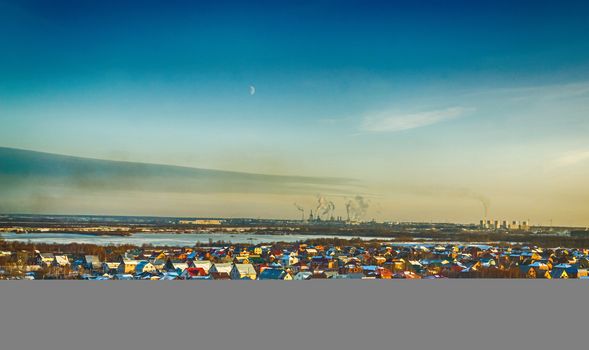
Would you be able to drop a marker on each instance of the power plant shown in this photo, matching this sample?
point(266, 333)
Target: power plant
point(324, 211)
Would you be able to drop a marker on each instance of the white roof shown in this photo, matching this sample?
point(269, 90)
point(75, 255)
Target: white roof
point(180, 266)
point(245, 268)
point(224, 267)
point(204, 264)
point(130, 262)
point(62, 259)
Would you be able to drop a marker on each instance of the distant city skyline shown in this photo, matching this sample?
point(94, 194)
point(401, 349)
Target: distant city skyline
point(430, 110)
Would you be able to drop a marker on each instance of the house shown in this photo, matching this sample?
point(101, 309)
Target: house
point(538, 268)
point(376, 272)
point(414, 266)
point(78, 264)
point(159, 264)
point(331, 274)
point(221, 270)
point(275, 274)
point(322, 262)
point(145, 267)
point(528, 271)
point(319, 274)
point(354, 276)
point(378, 260)
point(123, 276)
point(243, 271)
point(384, 273)
point(32, 268)
point(311, 251)
point(570, 271)
point(303, 275)
point(193, 273)
point(110, 268)
point(60, 261)
point(92, 262)
point(396, 265)
point(127, 266)
point(256, 260)
point(558, 273)
point(301, 265)
point(175, 266)
point(583, 263)
point(45, 259)
point(351, 265)
point(192, 255)
point(203, 264)
point(169, 276)
point(407, 275)
point(488, 262)
point(288, 259)
point(158, 255)
point(241, 260)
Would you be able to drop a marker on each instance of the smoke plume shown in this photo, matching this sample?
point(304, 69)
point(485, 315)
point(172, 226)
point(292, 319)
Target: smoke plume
point(324, 207)
point(301, 209)
point(357, 207)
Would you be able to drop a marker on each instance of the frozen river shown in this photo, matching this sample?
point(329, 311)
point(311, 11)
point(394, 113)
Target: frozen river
point(164, 239)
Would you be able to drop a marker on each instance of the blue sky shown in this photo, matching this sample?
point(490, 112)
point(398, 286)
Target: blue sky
point(420, 100)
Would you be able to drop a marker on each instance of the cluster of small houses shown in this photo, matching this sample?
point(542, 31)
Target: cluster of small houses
point(303, 262)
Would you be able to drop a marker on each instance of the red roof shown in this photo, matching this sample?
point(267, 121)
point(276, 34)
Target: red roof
point(196, 271)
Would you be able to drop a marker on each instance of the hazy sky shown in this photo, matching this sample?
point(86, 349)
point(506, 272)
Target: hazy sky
point(432, 105)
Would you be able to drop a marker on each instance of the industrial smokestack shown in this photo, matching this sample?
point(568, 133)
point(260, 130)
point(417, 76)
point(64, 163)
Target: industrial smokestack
point(324, 207)
point(357, 208)
point(348, 210)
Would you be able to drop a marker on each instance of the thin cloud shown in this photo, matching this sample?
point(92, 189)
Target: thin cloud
point(545, 92)
point(572, 158)
point(392, 121)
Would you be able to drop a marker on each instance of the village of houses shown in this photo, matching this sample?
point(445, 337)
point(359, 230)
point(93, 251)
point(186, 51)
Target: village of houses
point(304, 262)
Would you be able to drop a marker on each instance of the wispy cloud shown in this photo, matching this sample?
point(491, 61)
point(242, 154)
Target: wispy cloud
point(547, 91)
point(574, 157)
point(394, 121)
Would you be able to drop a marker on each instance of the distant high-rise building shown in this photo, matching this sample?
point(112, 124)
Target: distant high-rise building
point(525, 225)
point(504, 224)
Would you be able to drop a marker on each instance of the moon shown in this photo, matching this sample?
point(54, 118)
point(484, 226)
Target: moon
point(252, 90)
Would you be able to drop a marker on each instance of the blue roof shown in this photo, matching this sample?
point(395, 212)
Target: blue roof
point(370, 268)
point(562, 266)
point(140, 265)
point(272, 274)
